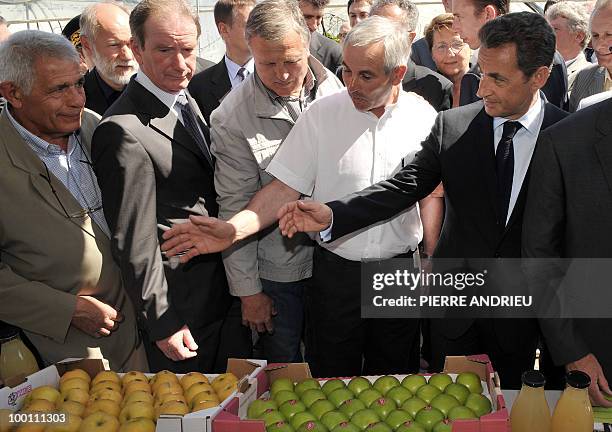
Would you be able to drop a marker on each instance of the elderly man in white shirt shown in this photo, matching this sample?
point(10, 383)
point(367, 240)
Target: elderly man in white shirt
point(342, 143)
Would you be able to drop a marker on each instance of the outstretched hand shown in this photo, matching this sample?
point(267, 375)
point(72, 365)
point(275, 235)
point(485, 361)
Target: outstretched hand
point(304, 216)
point(201, 235)
point(599, 385)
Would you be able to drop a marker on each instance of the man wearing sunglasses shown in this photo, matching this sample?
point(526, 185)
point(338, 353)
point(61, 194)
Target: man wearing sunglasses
point(58, 281)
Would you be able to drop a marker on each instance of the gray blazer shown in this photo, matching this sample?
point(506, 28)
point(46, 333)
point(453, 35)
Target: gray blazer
point(246, 131)
point(588, 82)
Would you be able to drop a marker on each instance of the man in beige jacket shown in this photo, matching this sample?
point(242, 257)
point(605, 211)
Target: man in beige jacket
point(58, 281)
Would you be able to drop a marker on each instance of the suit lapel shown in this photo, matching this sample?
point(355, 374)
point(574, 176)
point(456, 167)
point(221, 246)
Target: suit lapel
point(603, 147)
point(482, 129)
point(221, 84)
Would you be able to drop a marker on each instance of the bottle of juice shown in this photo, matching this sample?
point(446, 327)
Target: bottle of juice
point(530, 411)
point(15, 357)
point(573, 412)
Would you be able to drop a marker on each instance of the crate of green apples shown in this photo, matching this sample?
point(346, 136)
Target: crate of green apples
point(463, 398)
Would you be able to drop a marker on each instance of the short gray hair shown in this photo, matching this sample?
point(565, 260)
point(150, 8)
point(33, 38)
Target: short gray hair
point(411, 12)
point(601, 4)
point(272, 20)
point(89, 17)
point(576, 15)
point(393, 35)
point(19, 53)
point(147, 8)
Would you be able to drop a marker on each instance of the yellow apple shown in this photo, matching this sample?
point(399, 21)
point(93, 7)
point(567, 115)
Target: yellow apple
point(71, 424)
point(165, 380)
point(226, 391)
point(138, 396)
point(168, 388)
point(99, 422)
point(222, 380)
point(138, 425)
point(72, 407)
point(30, 427)
point(136, 385)
point(191, 378)
point(40, 405)
point(197, 388)
point(5, 424)
point(204, 405)
point(73, 383)
point(106, 376)
point(108, 406)
point(75, 394)
point(108, 385)
point(134, 376)
point(106, 394)
point(172, 407)
point(45, 392)
point(75, 373)
point(135, 410)
point(164, 374)
point(204, 396)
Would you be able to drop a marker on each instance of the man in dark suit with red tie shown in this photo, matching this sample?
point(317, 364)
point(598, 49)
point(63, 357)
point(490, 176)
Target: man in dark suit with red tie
point(481, 153)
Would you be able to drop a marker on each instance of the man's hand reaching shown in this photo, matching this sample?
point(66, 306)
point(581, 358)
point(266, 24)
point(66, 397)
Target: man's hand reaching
point(304, 216)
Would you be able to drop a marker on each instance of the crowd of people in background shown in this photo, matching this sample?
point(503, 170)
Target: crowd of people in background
point(166, 212)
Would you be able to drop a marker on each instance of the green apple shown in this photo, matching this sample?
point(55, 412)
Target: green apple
point(428, 392)
point(359, 384)
point(413, 405)
point(272, 417)
point(444, 402)
point(471, 381)
point(312, 426)
point(461, 412)
point(280, 427)
point(300, 418)
point(281, 384)
point(445, 425)
point(478, 403)
point(339, 396)
point(428, 417)
point(440, 380)
point(399, 395)
point(397, 417)
point(311, 396)
point(333, 419)
point(319, 408)
point(380, 427)
point(413, 382)
point(368, 396)
point(459, 391)
point(385, 383)
point(346, 427)
point(285, 395)
point(383, 406)
point(291, 408)
point(351, 406)
point(410, 426)
point(364, 418)
point(260, 406)
point(331, 385)
point(307, 384)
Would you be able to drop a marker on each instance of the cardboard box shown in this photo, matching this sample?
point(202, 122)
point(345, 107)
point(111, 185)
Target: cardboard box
point(233, 417)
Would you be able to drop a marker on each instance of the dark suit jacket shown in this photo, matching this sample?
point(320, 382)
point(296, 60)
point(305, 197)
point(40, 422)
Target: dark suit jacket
point(208, 88)
point(568, 216)
point(460, 153)
point(433, 87)
point(420, 54)
point(555, 88)
point(94, 97)
point(326, 51)
point(151, 172)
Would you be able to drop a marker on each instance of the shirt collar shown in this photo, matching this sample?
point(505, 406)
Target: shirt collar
point(233, 68)
point(309, 84)
point(529, 120)
point(168, 99)
point(39, 145)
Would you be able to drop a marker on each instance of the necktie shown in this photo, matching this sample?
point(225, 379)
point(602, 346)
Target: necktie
point(242, 74)
point(191, 124)
point(504, 157)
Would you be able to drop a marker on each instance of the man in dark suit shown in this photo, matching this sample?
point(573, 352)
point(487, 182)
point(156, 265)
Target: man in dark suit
point(431, 86)
point(322, 48)
point(154, 167)
point(470, 15)
point(210, 87)
point(105, 36)
point(484, 195)
point(567, 215)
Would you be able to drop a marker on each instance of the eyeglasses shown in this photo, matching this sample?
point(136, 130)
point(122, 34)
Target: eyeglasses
point(455, 47)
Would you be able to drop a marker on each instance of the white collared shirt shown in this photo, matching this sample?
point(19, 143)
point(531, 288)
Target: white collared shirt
point(233, 68)
point(168, 99)
point(523, 143)
point(334, 150)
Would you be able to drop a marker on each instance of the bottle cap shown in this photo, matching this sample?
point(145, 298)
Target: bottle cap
point(578, 379)
point(8, 331)
point(533, 378)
